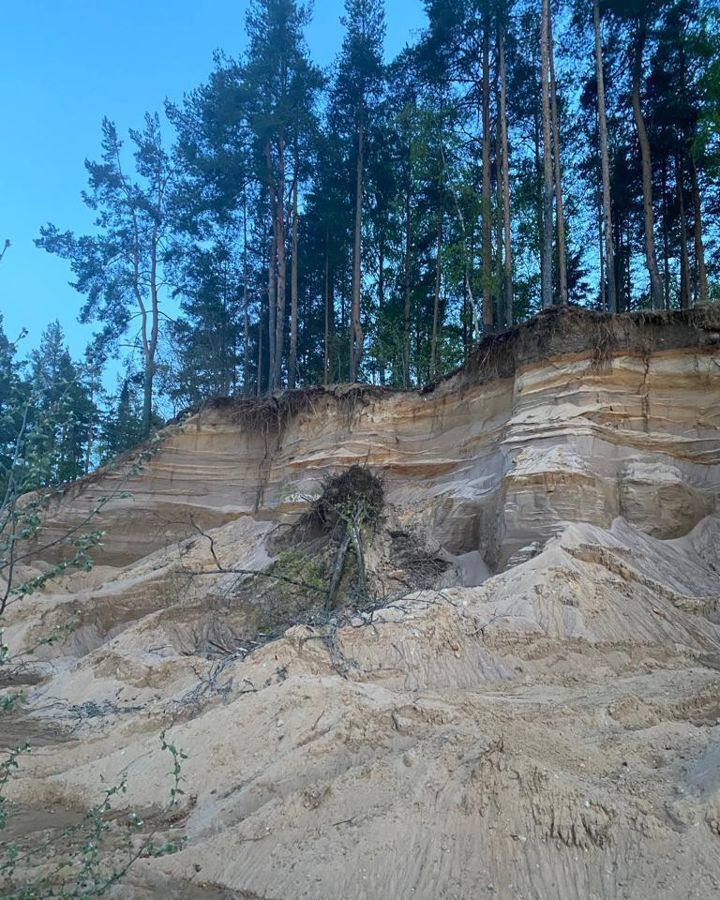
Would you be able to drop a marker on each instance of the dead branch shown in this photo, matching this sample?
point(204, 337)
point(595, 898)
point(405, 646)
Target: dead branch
point(220, 569)
point(337, 572)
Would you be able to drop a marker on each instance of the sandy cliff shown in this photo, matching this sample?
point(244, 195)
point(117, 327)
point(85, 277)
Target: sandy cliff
point(569, 417)
point(530, 708)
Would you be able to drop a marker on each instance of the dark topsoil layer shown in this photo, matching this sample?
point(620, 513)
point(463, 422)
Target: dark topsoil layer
point(574, 331)
point(569, 331)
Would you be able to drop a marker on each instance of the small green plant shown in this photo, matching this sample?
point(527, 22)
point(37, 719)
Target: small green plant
point(9, 702)
point(7, 768)
point(309, 570)
point(87, 859)
point(178, 756)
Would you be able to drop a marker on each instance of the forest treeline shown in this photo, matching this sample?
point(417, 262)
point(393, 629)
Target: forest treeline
point(285, 225)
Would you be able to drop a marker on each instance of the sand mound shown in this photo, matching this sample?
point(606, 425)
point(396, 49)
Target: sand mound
point(553, 732)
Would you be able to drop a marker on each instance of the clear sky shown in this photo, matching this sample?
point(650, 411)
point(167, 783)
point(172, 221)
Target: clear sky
point(67, 63)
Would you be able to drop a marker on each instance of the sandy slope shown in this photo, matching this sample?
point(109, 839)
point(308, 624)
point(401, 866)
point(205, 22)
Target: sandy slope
point(549, 731)
point(552, 733)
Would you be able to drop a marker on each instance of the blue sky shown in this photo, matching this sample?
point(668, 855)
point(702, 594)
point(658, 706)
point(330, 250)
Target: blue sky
point(66, 64)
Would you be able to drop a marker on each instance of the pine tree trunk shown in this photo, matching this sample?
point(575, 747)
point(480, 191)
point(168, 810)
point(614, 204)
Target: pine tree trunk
point(486, 204)
point(329, 314)
point(381, 357)
point(292, 365)
point(539, 195)
point(224, 359)
point(505, 156)
point(407, 292)
point(150, 342)
point(655, 282)
point(272, 283)
point(272, 300)
point(281, 268)
point(559, 210)
point(605, 165)
point(666, 238)
point(499, 238)
point(702, 296)
point(547, 249)
point(246, 311)
point(603, 262)
point(470, 270)
point(618, 244)
point(684, 257)
point(436, 301)
point(246, 349)
point(260, 360)
point(147, 397)
point(628, 266)
point(356, 333)
point(465, 317)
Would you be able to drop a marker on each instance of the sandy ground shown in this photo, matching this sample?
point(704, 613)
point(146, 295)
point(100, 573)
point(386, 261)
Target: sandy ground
point(553, 732)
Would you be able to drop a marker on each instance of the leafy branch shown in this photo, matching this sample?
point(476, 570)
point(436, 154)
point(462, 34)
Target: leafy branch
point(92, 856)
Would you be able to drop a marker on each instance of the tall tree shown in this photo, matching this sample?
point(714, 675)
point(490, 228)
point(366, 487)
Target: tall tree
point(59, 436)
point(14, 407)
point(358, 83)
point(557, 167)
point(122, 426)
point(604, 161)
point(547, 221)
point(505, 168)
point(488, 317)
point(212, 265)
point(120, 268)
point(637, 51)
point(280, 85)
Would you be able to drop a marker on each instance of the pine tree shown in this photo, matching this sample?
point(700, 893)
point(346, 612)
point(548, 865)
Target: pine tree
point(374, 227)
point(604, 160)
point(119, 269)
point(280, 84)
point(122, 425)
point(63, 411)
point(14, 406)
point(356, 94)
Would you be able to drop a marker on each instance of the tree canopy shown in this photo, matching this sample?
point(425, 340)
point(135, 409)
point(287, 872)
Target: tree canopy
point(373, 221)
